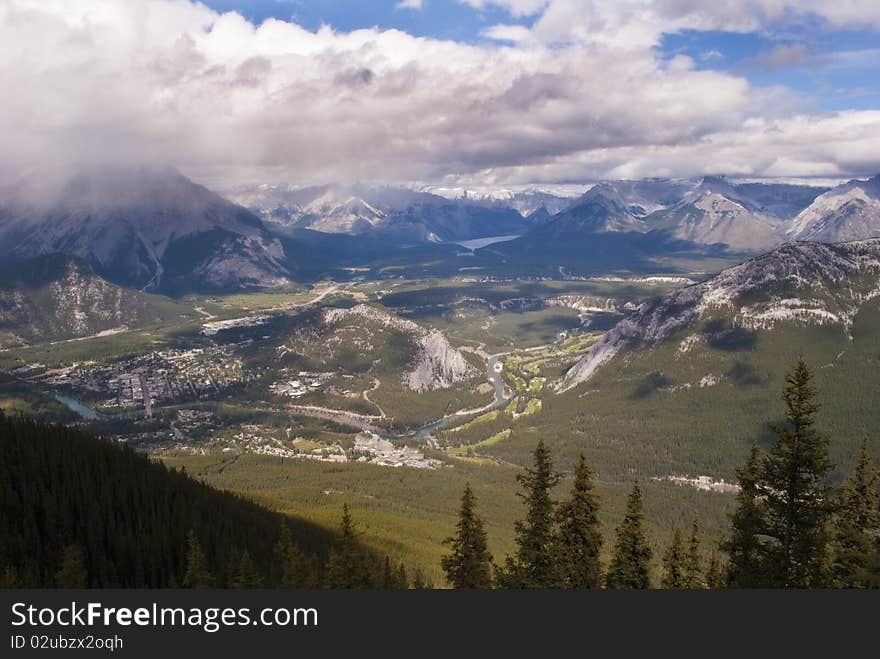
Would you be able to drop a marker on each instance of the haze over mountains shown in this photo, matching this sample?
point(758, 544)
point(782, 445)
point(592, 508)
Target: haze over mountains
point(406, 215)
point(154, 229)
point(143, 227)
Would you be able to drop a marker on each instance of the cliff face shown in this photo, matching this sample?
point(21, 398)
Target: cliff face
point(436, 364)
point(799, 283)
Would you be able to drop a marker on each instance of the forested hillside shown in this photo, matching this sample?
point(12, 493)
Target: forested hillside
point(80, 511)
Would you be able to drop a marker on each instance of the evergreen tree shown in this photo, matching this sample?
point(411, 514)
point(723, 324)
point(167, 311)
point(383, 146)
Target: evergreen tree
point(348, 566)
point(579, 540)
point(534, 565)
point(130, 516)
point(72, 572)
point(469, 564)
point(246, 575)
point(418, 580)
point(793, 485)
point(401, 582)
point(387, 575)
point(631, 557)
point(744, 547)
point(197, 574)
point(675, 564)
point(296, 569)
point(715, 574)
point(857, 526)
point(693, 567)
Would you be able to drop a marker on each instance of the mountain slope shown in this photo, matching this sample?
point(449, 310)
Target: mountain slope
point(142, 227)
point(848, 212)
point(429, 361)
point(600, 210)
point(713, 219)
point(58, 297)
point(128, 517)
point(806, 284)
point(396, 213)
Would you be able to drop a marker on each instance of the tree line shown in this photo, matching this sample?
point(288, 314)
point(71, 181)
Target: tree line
point(790, 529)
point(79, 511)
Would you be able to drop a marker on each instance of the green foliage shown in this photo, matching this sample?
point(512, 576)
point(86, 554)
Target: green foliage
point(578, 542)
point(744, 546)
point(675, 564)
point(693, 567)
point(716, 574)
point(77, 510)
point(246, 574)
point(630, 561)
point(533, 565)
point(349, 565)
point(197, 574)
point(794, 488)
point(469, 563)
point(856, 543)
point(781, 529)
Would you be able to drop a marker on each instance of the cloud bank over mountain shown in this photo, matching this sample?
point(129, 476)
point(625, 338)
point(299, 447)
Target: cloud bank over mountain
point(580, 93)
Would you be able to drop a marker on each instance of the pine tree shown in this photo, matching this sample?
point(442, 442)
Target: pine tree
point(401, 582)
point(296, 569)
point(631, 557)
point(197, 574)
point(675, 564)
point(387, 575)
point(534, 565)
point(798, 500)
point(469, 564)
point(693, 567)
point(348, 566)
point(246, 575)
point(715, 573)
point(744, 547)
point(857, 526)
point(418, 580)
point(579, 539)
point(72, 572)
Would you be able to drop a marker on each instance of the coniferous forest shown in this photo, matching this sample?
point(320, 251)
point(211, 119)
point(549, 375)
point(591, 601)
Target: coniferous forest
point(81, 511)
point(791, 528)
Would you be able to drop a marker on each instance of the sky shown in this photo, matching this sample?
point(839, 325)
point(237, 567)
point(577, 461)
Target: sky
point(444, 92)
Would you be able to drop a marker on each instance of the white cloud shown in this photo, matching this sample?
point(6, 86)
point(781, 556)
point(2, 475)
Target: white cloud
point(516, 8)
point(226, 100)
point(409, 4)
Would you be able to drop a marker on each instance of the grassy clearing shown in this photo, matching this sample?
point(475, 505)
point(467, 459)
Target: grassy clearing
point(408, 512)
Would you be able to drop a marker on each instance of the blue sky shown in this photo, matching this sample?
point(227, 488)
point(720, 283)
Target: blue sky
point(831, 69)
point(443, 19)
point(578, 91)
point(828, 69)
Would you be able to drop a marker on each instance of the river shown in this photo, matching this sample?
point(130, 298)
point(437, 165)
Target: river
point(75, 406)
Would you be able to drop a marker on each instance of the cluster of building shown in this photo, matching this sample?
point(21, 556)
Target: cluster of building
point(706, 483)
point(214, 327)
point(305, 382)
point(369, 447)
point(158, 377)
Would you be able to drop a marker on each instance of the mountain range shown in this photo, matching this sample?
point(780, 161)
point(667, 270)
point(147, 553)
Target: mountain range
point(153, 229)
point(396, 213)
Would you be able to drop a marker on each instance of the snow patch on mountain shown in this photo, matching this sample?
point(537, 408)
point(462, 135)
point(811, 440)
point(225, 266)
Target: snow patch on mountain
point(799, 283)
